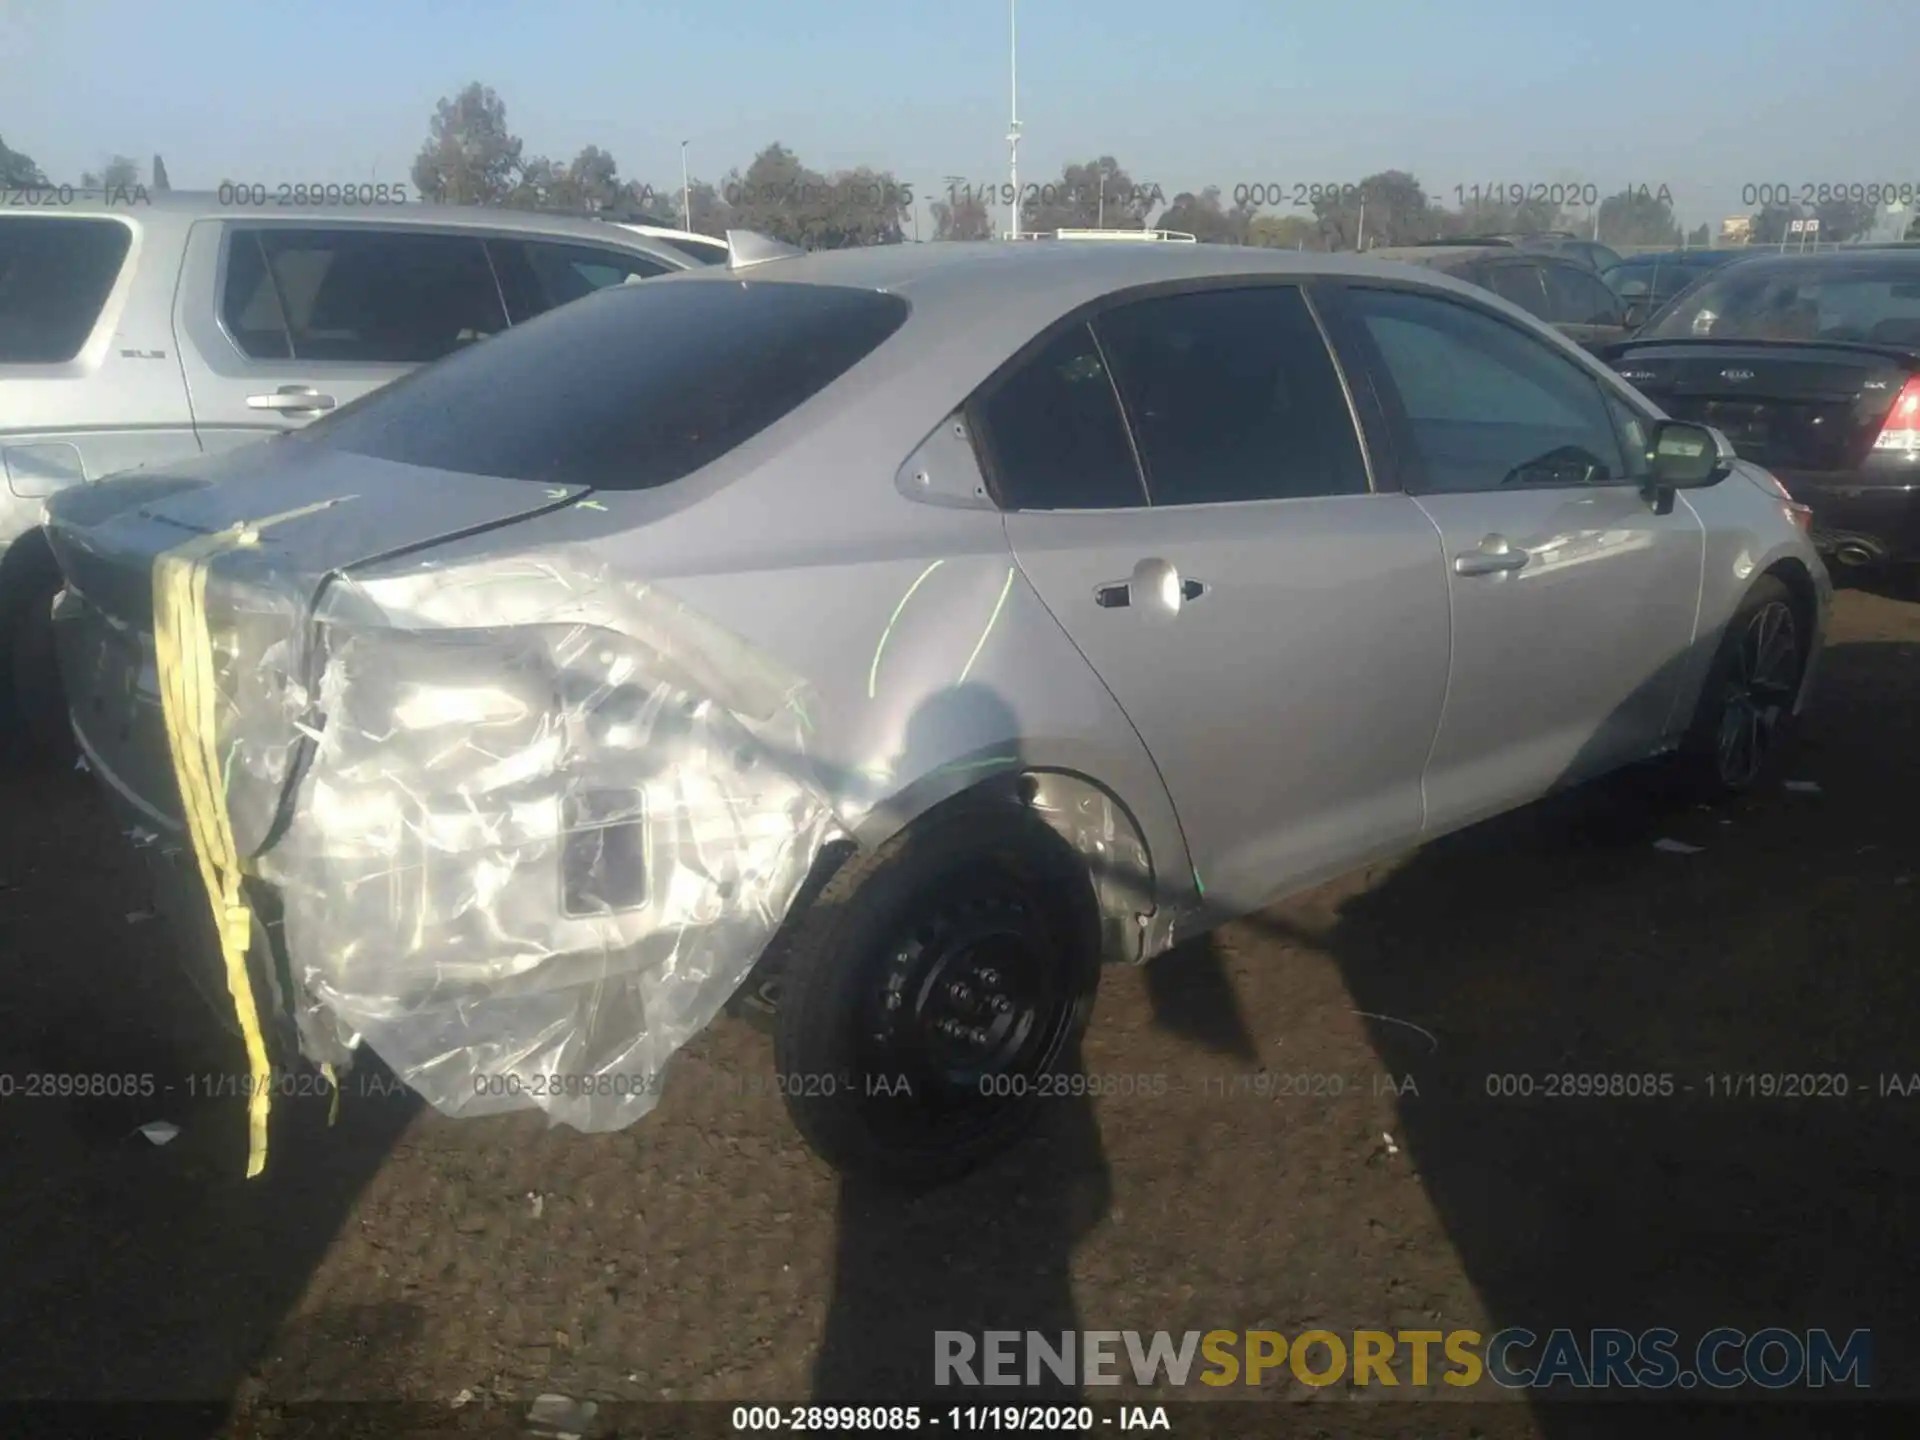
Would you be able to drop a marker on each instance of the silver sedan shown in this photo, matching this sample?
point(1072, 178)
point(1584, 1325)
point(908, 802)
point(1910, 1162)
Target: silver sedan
point(897, 634)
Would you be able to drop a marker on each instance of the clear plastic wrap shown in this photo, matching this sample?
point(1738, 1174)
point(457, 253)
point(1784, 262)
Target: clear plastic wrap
point(546, 822)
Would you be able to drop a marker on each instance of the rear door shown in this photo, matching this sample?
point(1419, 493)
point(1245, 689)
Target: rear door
point(1580, 303)
point(1187, 491)
point(1573, 602)
point(286, 322)
point(89, 381)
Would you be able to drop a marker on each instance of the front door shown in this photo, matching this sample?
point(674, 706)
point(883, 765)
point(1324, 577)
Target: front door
point(1573, 602)
point(290, 322)
point(1276, 632)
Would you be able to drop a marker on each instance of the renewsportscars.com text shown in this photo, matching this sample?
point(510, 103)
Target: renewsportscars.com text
point(1514, 1358)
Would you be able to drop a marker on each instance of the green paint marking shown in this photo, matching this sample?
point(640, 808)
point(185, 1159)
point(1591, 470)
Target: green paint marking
point(873, 672)
point(992, 620)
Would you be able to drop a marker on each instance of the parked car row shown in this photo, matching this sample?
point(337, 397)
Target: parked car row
point(899, 633)
point(139, 335)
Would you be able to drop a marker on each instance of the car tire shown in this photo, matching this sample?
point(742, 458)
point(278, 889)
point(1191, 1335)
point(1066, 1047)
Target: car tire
point(33, 705)
point(1745, 712)
point(932, 992)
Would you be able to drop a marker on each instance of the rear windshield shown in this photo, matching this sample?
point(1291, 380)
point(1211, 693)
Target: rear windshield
point(1800, 300)
point(631, 387)
point(712, 253)
point(55, 275)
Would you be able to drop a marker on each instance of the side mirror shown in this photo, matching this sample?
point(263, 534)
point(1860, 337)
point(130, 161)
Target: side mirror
point(1686, 457)
point(1635, 315)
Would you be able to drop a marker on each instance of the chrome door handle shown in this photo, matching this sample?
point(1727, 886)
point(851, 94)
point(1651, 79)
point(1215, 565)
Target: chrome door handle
point(291, 399)
point(1493, 556)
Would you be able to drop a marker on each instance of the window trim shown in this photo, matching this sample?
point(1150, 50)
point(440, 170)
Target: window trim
point(231, 228)
point(1580, 273)
point(107, 318)
point(1371, 429)
point(1367, 355)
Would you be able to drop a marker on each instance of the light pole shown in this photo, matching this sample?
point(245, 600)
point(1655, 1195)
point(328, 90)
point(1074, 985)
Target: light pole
point(686, 191)
point(1013, 123)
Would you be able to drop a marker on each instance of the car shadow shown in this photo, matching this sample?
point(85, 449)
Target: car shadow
point(141, 1265)
point(1769, 936)
point(993, 1251)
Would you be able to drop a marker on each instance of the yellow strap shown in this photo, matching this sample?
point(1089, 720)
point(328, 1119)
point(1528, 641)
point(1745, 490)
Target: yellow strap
point(183, 656)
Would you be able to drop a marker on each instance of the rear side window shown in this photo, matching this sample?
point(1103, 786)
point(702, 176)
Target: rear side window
point(1054, 432)
point(541, 275)
point(389, 297)
point(1519, 285)
point(630, 388)
point(1233, 397)
point(1578, 297)
point(55, 276)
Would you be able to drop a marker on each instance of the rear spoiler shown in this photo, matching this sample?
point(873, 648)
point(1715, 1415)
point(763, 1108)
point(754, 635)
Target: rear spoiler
point(1907, 354)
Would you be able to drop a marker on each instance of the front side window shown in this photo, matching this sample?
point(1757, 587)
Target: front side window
point(55, 276)
point(633, 387)
point(1488, 406)
point(370, 296)
point(1233, 397)
point(1054, 434)
point(541, 275)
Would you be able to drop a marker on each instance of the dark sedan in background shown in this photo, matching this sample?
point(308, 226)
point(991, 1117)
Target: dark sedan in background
point(1810, 365)
point(1648, 281)
point(1565, 293)
point(1562, 243)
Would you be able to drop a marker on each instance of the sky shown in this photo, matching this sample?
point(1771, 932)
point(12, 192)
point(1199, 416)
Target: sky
point(1706, 97)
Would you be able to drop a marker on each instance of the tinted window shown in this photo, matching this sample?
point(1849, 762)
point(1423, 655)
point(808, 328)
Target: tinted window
point(373, 296)
point(1519, 285)
point(711, 253)
point(1232, 396)
point(1801, 300)
point(55, 276)
point(1578, 297)
point(1054, 434)
point(1487, 404)
point(540, 275)
point(633, 387)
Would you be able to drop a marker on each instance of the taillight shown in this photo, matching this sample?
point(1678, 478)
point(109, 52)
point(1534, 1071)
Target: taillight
point(1901, 432)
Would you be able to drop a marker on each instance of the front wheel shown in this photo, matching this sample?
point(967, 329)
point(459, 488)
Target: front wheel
point(934, 993)
point(1746, 705)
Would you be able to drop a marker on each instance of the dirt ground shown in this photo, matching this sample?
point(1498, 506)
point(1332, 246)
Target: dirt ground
point(704, 1254)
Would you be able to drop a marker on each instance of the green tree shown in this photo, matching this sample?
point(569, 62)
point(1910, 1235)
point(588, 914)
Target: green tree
point(1481, 216)
point(1397, 211)
point(778, 196)
point(1913, 229)
point(1286, 232)
point(1204, 217)
point(1700, 236)
point(1095, 193)
point(121, 172)
point(1639, 217)
point(160, 183)
point(1842, 220)
point(590, 182)
point(962, 217)
point(470, 157)
point(17, 171)
point(1771, 221)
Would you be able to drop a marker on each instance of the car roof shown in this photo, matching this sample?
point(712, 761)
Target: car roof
point(1442, 257)
point(139, 203)
point(996, 291)
point(1849, 255)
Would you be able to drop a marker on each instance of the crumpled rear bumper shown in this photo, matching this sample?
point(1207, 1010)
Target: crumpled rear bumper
point(540, 825)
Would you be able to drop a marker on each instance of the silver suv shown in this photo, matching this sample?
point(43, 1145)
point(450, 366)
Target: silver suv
point(142, 334)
